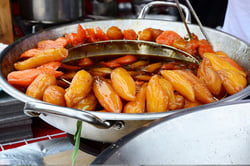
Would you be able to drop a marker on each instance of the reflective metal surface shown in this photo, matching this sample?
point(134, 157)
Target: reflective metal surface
point(215, 135)
point(32, 154)
point(51, 11)
point(146, 8)
point(124, 47)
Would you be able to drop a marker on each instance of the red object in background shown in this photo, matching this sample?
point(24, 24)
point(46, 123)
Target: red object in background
point(17, 31)
point(15, 14)
point(41, 128)
point(87, 7)
point(41, 132)
point(15, 9)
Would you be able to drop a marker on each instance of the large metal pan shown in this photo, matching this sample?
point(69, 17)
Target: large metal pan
point(211, 136)
point(114, 125)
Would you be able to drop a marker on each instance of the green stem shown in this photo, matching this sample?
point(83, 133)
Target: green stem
point(77, 138)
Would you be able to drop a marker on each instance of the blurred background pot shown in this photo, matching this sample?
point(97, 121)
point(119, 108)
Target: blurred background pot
point(104, 7)
point(51, 11)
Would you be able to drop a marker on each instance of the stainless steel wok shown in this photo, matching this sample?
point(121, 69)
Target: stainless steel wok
point(109, 127)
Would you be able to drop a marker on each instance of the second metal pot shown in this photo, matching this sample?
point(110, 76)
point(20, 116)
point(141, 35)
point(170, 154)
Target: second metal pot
point(48, 12)
point(218, 135)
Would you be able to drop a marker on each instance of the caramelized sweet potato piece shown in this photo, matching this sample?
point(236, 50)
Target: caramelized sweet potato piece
point(219, 63)
point(179, 102)
point(180, 43)
point(91, 35)
point(155, 33)
point(79, 88)
point(180, 83)
point(232, 81)
point(157, 99)
point(149, 34)
point(118, 62)
point(142, 77)
point(137, 106)
point(106, 95)
point(39, 85)
point(138, 64)
point(84, 62)
point(100, 35)
point(227, 58)
point(129, 34)
point(69, 67)
point(41, 58)
point(151, 68)
point(202, 93)
point(101, 71)
point(146, 35)
point(189, 104)
point(136, 72)
point(110, 64)
point(89, 100)
point(173, 66)
point(55, 95)
point(210, 77)
point(167, 37)
point(138, 84)
point(168, 88)
point(114, 33)
point(123, 84)
point(124, 60)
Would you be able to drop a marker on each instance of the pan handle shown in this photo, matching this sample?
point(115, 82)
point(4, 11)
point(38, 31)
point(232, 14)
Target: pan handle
point(145, 9)
point(34, 109)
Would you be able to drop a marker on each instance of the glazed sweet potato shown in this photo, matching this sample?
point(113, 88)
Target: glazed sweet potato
point(106, 95)
point(79, 88)
point(157, 98)
point(123, 84)
point(219, 63)
point(180, 83)
point(54, 95)
point(48, 55)
point(40, 84)
point(232, 81)
point(202, 93)
point(137, 106)
point(89, 101)
point(210, 77)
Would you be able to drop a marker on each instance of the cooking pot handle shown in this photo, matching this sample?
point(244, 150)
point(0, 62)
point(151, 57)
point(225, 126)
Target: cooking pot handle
point(145, 9)
point(34, 109)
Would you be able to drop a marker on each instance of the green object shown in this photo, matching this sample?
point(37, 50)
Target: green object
point(77, 138)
